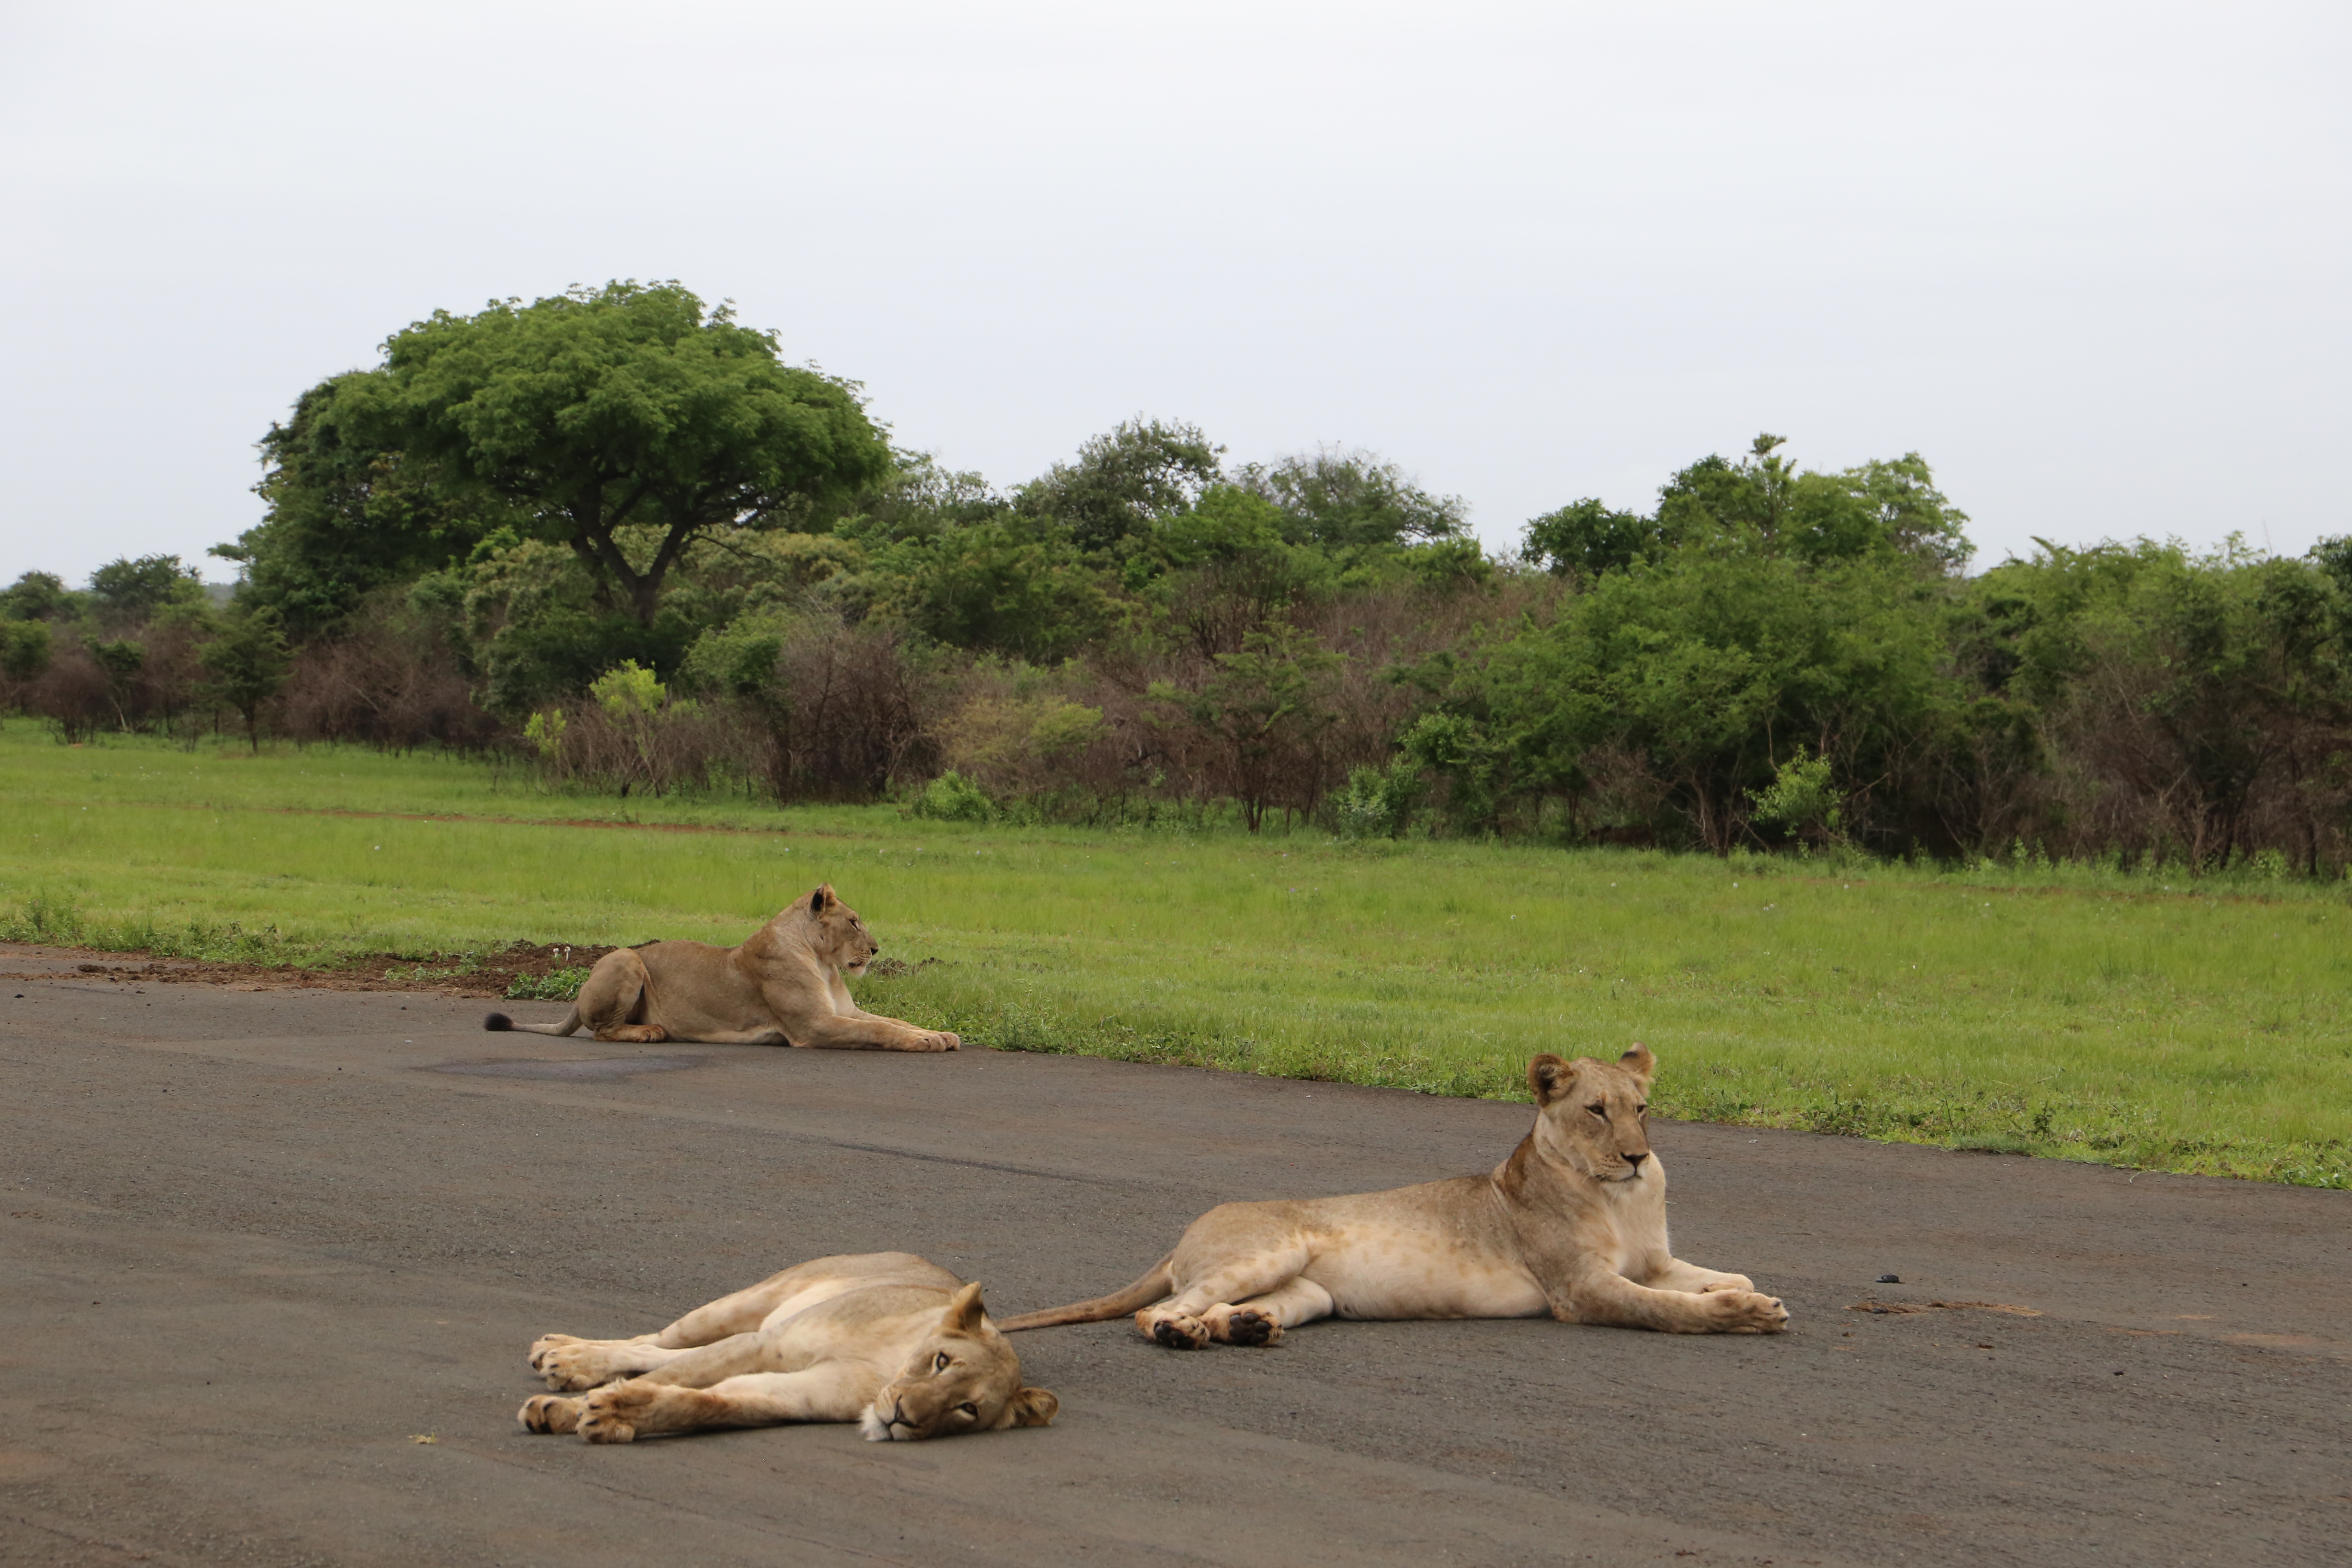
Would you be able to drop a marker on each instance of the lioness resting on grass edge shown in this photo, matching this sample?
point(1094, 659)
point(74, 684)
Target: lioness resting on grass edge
point(1573, 1224)
point(888, 1340)
point(782, 987)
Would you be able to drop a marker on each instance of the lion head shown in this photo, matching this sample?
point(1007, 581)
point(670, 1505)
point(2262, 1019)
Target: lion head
point(840, 937)
point(962, 1378)
point(1594, 1115)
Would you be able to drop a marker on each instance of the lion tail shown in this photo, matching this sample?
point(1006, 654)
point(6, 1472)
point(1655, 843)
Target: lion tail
point(499, 1024)
point(1154, 1285)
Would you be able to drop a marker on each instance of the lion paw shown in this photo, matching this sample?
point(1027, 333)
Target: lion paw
point(1748, 1312)
point(623, 1412)
point(613, 1415)
point(546, 1343)
point(942, 1040)
point(545, 1412)
point(1242, 1326)
point(582, 1364)
point(1175, 1330)
point(1728, 1282)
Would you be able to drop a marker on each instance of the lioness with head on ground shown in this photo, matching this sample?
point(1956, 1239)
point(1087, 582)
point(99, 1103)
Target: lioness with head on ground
point(782, 987)
point(895, 1344)
point(1573, 1224)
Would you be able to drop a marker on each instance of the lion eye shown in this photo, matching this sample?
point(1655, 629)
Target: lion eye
point(969, 1409)
point(1598, 1110)
point(940, 1361)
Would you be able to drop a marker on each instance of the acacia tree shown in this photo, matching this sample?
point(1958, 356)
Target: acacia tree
point(608, 410)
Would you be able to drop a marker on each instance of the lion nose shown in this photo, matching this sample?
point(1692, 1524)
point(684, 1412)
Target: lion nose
point(1636, 1160)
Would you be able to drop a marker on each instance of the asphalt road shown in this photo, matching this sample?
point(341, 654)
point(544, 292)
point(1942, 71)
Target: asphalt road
point(270, 1261)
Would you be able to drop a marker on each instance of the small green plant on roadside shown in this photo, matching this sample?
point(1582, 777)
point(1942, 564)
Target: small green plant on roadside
point(43, 918)
point(556, 986)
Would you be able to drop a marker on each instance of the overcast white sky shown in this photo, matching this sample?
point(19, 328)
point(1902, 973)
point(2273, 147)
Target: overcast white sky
point(2092, 260)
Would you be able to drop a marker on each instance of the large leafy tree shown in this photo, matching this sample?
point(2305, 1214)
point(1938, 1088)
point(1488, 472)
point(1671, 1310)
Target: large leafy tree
point(620, 421)
point(348, 513)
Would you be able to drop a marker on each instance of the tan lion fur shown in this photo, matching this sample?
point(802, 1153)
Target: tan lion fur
point(782, 987)
point(1573, 1224)
point(888, 1340)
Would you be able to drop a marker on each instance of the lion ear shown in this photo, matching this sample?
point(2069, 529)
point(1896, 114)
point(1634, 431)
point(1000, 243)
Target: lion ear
point(1032, 1407)
point(964, 1311)
point(1548, 1078)
point(822, 900)
point(1640, 1063)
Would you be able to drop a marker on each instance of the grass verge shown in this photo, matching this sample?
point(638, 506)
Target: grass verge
point(2067, 1011)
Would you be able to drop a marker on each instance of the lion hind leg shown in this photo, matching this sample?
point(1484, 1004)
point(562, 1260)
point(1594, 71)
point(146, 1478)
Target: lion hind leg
point(611, 1001)
point(794, 1289)
point(634, 1033)
point(1261, 1319)
point(1179, 1322)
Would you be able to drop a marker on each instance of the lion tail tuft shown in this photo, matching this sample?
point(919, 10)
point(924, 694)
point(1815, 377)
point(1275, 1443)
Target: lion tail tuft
point(1152, 1288)
point(499, 1024)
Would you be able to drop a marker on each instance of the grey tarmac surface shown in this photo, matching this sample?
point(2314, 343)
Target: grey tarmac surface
point(258, 1247)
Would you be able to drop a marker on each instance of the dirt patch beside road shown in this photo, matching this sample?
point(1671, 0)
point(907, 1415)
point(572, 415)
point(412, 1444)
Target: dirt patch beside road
point(489, 974)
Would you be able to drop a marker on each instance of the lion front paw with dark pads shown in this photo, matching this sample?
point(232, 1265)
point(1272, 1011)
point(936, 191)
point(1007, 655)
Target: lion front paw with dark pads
point(1173, 1330)
point(610, 1414)
point(1248, 1326)
point(547, 1413)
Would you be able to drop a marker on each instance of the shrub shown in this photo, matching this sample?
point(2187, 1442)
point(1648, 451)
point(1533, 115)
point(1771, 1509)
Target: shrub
point(1378, 802)
point(951, 797)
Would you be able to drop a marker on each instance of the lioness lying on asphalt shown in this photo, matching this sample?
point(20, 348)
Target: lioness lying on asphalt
point(895, 1344)
point(1573, 1224)
point(782, 987)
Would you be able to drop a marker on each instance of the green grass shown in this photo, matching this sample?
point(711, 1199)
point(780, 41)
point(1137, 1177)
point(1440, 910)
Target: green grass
point(2068, 1011)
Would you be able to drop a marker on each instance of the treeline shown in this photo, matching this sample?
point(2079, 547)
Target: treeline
point(615, 532)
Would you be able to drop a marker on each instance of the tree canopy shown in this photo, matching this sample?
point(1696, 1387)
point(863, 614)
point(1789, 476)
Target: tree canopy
point(1882, 508)
point(621, 423)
